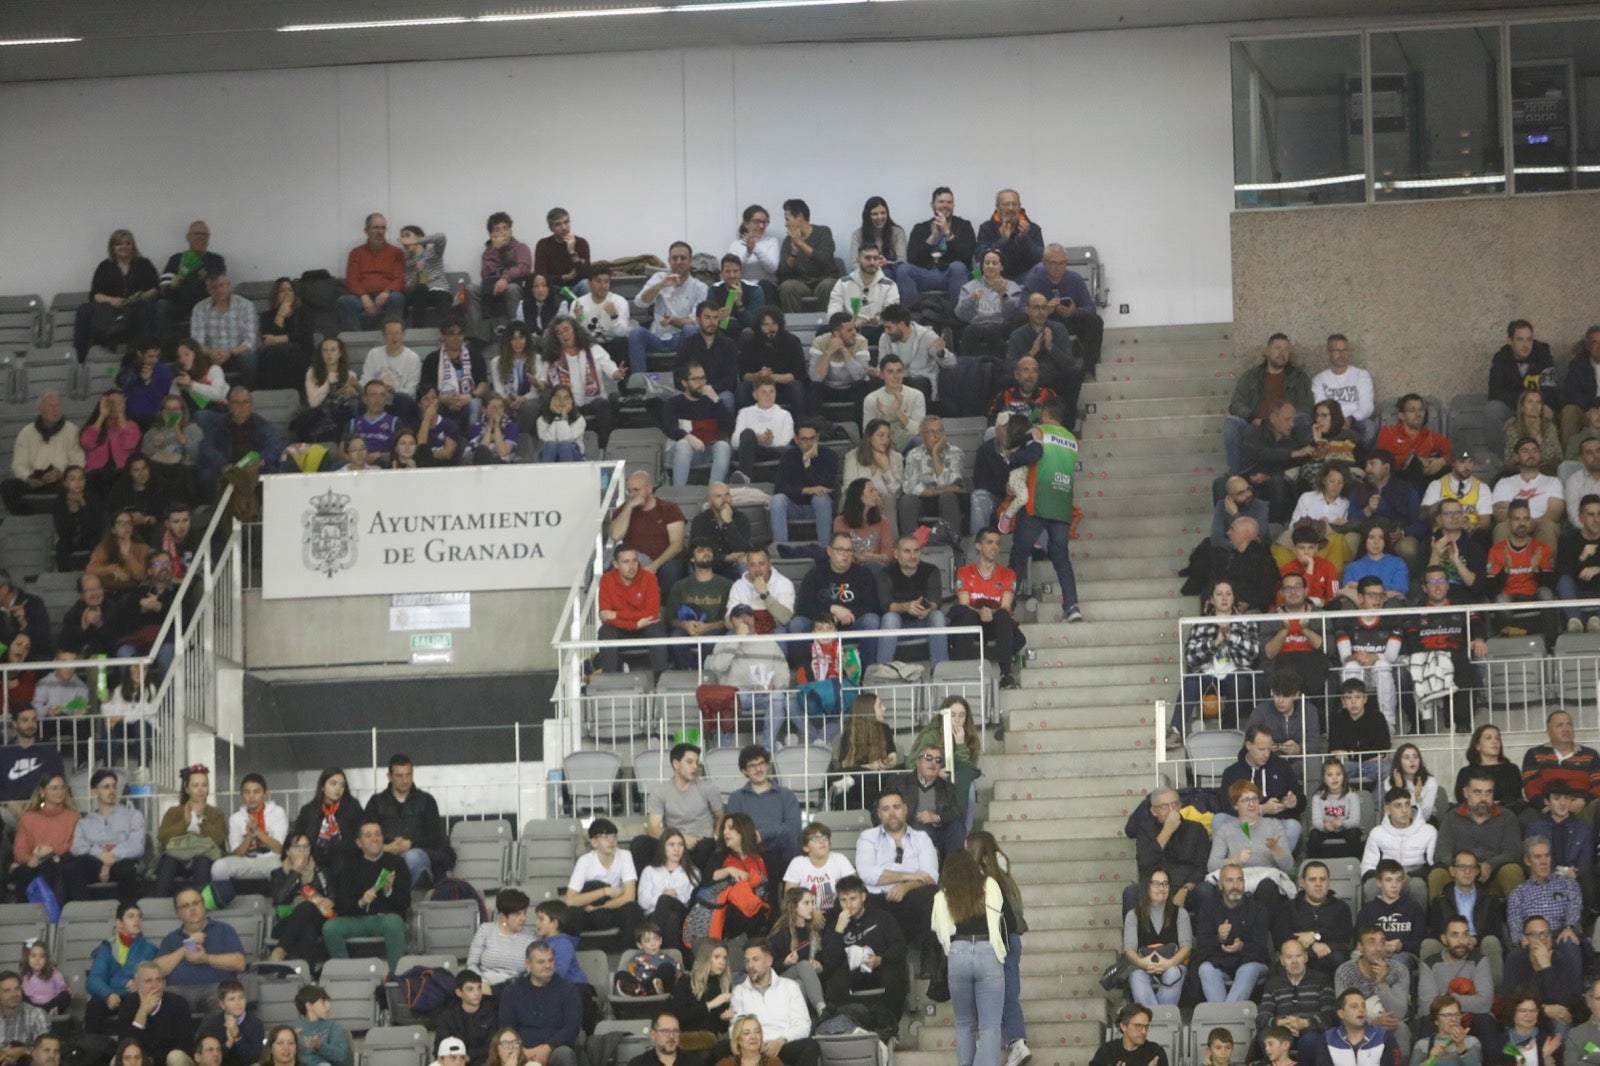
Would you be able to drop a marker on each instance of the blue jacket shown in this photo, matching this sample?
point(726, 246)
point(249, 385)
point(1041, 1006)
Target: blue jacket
point(106, 977)
point(1377, 1048)
point(1571, 842)
point(214, 448)
point(550, 1015)
point(564, 946)
point(1072, 287)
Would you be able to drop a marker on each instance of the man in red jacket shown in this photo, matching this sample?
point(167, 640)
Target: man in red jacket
point(630, 606)
point(374, 279)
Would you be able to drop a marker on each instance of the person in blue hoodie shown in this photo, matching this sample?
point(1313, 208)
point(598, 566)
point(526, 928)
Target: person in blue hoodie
point(1355, 1043)
point(111, 967)
point(549, 922)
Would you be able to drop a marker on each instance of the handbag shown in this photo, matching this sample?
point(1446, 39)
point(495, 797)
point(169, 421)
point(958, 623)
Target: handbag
point(186, 846)
point(1116, 975)
point(939, 977)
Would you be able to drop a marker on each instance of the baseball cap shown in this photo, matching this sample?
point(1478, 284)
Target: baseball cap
point(1462, 453)
point(601, 827)
point(452, 1045)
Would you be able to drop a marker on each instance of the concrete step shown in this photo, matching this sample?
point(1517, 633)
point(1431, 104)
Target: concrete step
point(1056, 828)
point(1212, 404)
point(1108, 547)
point(1044, 1019)
point(1107, 851)
point(1143, 587)
point(1040, 740)
point(1138, 717)
point(1101, 634)
point(1121, 610)
point(1093, 894)
point(1003, 761)
point(1043, 964)
point(1192, 478)
point(1055, 1043)
point(1196, 354)
point(1108, 425)
point(1128, 384)
point(1138, 337)
point(1162, 654)
point(1079, 811)
point(1099, 526)
point(1106, 673)
point(1067, 873)
point(1208, 462)
point(1072, 788)
point(1104, 448)
point(1193, 504)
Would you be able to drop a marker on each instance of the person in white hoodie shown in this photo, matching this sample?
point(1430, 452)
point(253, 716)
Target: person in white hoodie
point(256, 832)
point(1405, 839)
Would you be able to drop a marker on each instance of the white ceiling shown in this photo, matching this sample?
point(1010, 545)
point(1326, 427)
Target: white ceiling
point(125, 37)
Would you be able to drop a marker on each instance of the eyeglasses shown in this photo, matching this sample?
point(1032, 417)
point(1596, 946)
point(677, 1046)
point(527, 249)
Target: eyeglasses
point(1160, 884)
point(900, 854)
point(510, 1043)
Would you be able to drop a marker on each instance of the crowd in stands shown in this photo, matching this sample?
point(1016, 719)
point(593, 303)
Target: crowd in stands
point(1463, 934)
point(732, 913)
point(1375, 517)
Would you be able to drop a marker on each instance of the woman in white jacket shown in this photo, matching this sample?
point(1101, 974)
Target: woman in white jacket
point(970, 920)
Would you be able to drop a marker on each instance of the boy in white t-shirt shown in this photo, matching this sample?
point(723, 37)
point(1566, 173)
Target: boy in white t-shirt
point(603, 885)
point(818, 870)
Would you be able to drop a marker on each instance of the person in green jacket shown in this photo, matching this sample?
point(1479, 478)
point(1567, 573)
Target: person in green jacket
point(1259, 390)
point(968, 743)
point(1048, 512)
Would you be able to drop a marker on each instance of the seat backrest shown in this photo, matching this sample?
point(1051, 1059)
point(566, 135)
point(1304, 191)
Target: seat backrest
point(1166, 1029)
point(84, 925)
point(1211, 751)
point(1238, 1018)
point(446, 926)
point(276, 985)
point(352, 985)
point(803, 769)
point(849, 1049)
point(721, 767)
point(598, 971)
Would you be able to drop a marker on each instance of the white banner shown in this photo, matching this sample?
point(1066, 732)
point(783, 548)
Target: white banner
point(456, 529)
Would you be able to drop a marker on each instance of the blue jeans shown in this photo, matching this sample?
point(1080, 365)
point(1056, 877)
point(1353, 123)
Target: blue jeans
point(821, 509)
point(641, 342)
point(977, 997)
point(1028, 531)
point(1567, 589)
point(1147, 993)
point(938, 643)
point(1013, 1026)
point(350, 313)
point(1217, 989)
point(981, 511)
point(682, 458)
point(914, 279)
point(418, 863)
point(561, 451)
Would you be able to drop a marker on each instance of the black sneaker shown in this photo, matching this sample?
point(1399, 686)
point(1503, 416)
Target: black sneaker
point(1009, 681)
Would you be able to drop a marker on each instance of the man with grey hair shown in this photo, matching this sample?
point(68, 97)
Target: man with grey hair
point(43, 451)
point(155, 1017)
point(1070, 302)
point(1013, 234)
point(1165, 840)
point(1544, 914)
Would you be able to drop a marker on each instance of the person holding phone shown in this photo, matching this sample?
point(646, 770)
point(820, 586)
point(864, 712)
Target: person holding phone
point(912, 591)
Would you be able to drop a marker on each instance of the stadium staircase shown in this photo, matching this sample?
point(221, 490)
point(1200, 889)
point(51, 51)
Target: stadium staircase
point(1078, 750)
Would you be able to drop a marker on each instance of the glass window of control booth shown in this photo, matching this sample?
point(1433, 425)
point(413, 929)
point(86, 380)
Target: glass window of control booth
point(1555, 105)
point(1297, 121)
point(1436, 123)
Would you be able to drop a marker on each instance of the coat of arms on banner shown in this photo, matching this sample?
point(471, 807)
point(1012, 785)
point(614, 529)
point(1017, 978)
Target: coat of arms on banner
point(329, 539)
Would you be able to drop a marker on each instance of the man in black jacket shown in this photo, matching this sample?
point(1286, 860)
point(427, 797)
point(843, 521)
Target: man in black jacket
point(843, 589)
point(938, 252)
point(372, 898)
point(1321, 921)
point(875, 949)
point(1247, 565)
point(1521, 363)
point(1230, 939)
point(412, 828)
point(159, 1020)
point(931, 801)
point(1168, 841)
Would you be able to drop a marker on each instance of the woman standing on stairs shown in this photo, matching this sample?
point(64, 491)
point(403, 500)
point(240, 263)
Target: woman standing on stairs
point(970, 916)
point(995, 865)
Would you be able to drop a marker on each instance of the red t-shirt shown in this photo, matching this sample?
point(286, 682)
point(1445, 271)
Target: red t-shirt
point(985, 591)
point(647, 530)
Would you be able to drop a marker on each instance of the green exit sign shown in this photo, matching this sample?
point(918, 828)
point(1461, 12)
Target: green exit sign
point(431, 647)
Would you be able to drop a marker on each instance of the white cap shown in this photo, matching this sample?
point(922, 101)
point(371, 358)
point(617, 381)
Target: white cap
point(452, 1045)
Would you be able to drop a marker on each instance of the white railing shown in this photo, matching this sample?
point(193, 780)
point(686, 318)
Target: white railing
point(201, 627)
point(1518, 693)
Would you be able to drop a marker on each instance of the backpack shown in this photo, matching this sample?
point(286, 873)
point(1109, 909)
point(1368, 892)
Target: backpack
point(451, 887)
point(427, 989)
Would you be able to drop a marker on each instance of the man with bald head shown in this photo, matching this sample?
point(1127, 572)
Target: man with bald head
point(374, 278)
point(1238, 498)
point(1070, 302)
point(44, 449)
point(183, 283)
point(726, 530)
point(1246, 564)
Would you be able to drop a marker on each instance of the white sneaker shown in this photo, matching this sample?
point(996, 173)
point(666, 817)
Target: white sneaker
point(1594, 623)
point(1019, 1054)
point(1574, 625)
